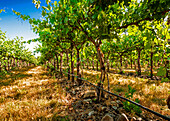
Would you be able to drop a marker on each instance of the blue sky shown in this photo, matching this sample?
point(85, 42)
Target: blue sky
point(14, 26)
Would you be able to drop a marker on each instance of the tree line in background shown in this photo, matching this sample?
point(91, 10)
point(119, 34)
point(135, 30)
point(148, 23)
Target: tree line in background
point(13, 54)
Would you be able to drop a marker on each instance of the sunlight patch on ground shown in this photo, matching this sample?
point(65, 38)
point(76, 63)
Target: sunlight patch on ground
point(88, 72)
point(30, 96)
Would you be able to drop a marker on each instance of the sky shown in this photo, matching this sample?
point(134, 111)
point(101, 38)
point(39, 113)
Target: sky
point(13, 26)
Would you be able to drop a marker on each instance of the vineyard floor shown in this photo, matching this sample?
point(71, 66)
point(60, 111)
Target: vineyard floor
point(30, 94)
point(33, 94)
point(151, 93)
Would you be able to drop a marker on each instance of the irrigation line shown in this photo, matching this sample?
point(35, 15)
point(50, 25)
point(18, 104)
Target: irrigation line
point(158, 114)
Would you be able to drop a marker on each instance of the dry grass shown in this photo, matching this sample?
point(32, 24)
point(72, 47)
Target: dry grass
point(30, 94)
point(151, 93)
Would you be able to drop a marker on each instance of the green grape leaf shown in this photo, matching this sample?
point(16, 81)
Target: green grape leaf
point(29, 41)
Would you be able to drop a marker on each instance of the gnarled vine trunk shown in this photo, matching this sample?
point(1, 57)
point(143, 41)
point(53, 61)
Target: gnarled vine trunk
point(151, 65)
point(5, 64)
point(103, 73)
point(97, 64)
point(68, 67)
point(139, 67)
point(72, 62)
point(87, 63)
point(121, 63)
point(0, 67)
point(57, 63)
point(78, 67)
point(102, 67)
point(108, 61)
point(93, 63)
point(61, 63)
point(11, 62)
point(54, 64)
point(18, 63)
point(8, 64)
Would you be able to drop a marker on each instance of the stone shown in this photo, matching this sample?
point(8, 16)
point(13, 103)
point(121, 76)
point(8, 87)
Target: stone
point(86, 112)
point(139, 119)
point(91, 113)
point(112, 115)
point(74, 92)
point(133, 119)
point(114, 107)
point(89, 93)
point(113, 102)
point(122, 117)
point(89, 117)
point(118, 101)
point(103, 108)
point(92, 88)
point(81, 94)
point(75, 84)
point(107, 117)
point(87, 101)
point(78, 88)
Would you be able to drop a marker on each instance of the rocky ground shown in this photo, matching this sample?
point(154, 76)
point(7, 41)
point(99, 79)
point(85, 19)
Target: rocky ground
point(84, 106)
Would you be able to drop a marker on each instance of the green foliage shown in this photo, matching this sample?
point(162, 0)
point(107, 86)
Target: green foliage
point(97, 76)
point(130, 92)
point(119, 89)
point(119, 28)
point(127, 105)
point(67, 88)
point(161, 71)
point(10, 49)
point(165, 80)
point(121, 72)
point(97, 79)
